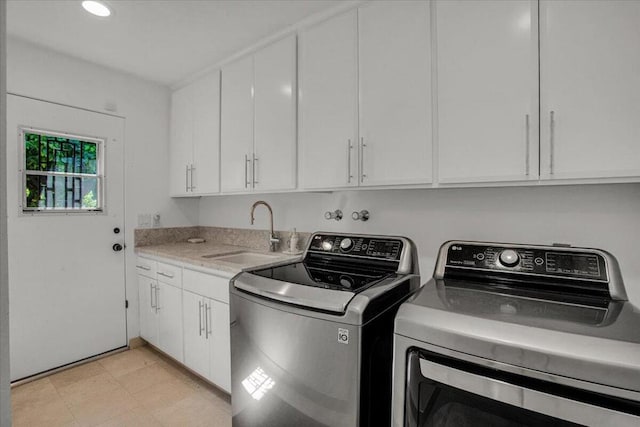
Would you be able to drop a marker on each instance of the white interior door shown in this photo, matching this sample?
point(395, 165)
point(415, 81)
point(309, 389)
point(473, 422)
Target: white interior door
point(66, 280)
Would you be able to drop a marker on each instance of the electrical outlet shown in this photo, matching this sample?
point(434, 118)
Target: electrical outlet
point(145, 221)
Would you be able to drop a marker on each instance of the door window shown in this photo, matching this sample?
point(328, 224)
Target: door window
point(61, 172)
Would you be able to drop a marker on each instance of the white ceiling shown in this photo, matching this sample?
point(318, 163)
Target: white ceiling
point(164, 41)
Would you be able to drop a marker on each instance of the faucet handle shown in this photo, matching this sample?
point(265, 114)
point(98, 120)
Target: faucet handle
point(337, 215)
point(363, 215)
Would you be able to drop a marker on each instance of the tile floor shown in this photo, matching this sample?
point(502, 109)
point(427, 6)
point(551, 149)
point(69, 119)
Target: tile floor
point(137, 387)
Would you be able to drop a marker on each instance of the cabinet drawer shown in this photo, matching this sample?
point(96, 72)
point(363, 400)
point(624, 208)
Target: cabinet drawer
point(170, 274)
point(146, 267)
point(207, 285)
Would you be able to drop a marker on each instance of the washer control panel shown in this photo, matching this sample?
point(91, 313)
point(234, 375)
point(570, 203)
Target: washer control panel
point(366, 247)
point(549, 261)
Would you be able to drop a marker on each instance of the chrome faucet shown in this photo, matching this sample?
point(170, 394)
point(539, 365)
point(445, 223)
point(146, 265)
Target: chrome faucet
point(273, 240)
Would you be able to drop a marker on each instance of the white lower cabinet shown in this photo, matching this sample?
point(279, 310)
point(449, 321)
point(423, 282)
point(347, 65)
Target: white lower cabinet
point(148, 319)
point(160, 305)
point(169, 308)
point(196, 342)
point(220, 344)
point(185, 313)
point(207, 343)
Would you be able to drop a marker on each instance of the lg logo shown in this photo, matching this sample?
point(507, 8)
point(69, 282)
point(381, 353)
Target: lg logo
point(343, 336)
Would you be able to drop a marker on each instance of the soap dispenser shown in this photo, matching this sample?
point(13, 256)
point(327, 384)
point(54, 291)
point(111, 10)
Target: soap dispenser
point(293, 241)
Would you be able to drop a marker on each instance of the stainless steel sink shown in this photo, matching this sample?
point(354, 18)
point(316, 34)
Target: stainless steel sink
point(243, 258)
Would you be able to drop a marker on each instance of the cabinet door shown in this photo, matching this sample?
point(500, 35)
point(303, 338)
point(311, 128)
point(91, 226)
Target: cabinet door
point(395, 93)
point(196, 345)
point(590, 84)
point(236, 144)
point(220, 341)
point(487, 90)
point(169, 301)
point(206, 135)
point(147, 310)
point(180, 144)
point(275, 116)
point(329, 104)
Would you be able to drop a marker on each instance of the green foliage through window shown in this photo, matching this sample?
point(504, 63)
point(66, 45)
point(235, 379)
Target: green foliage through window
point(61, 173)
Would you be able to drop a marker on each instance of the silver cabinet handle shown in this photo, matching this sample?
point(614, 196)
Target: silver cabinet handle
point(169, 275)
point(151, 292)
point(362, 145)
point(527, 143)
point(186, 178)
point(207, 316)
point(157, 298)
point(349, 148)
point(552, 128)
point(192, 187)
point(144, 267)
point(246, 178)
point(200, 318)
point(253, 170)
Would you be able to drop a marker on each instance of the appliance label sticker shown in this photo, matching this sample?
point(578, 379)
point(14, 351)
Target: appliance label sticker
point(343, 336)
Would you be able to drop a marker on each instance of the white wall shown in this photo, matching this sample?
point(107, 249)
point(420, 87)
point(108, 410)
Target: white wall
point(47, 75)
point(5, 391)
point(600, 216)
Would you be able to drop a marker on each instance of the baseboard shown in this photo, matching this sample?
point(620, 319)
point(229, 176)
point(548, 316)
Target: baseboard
point(136, 342)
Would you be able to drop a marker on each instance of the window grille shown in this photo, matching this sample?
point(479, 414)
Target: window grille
point(61, 172)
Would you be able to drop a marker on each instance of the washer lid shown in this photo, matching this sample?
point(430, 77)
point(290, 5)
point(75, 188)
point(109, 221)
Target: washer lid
point(591, 342)
point(318, 298)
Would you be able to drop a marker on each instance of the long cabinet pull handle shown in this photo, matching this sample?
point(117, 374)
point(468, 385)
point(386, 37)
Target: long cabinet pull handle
point(151, 289)
point(192, 187)
point(206, 321)
point(157, 298)
point(527, 144)
point(144, 267)
point(169, 275)
point(349, 148)
point(362, 145)
point(552, 138)
point(246, 178)
point(186, 178)
point(209, 320)
point(253, 170)
point(200, 318)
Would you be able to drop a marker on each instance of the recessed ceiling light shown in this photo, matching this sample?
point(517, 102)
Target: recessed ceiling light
point(96, 8)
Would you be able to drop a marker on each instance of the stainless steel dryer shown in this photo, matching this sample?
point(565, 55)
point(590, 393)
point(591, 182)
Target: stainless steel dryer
point(516, 335)
point(312, 341)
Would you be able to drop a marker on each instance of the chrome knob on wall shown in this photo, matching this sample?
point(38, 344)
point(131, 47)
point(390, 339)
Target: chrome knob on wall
point(363, 215)
point(337, 215)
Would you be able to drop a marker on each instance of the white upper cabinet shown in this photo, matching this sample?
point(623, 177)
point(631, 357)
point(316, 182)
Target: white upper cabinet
point(328, 103)
point(205, 177)
point(365, 98)
point(259, 120)
point(195, 137)
point(487, 90)
point(236, 149)
point(395, 93)
point(590, 89)
point(275, 116)
point(180, 141)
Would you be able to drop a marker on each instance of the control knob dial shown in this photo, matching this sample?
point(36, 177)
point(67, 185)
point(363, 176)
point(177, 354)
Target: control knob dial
point(509, 258)
point(346, 244)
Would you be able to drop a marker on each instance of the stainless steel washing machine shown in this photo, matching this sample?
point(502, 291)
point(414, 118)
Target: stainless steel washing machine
point(518, 335)
point(312, 341)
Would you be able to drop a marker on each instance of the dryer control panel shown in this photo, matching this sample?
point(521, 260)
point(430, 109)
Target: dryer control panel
point(543, 261)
